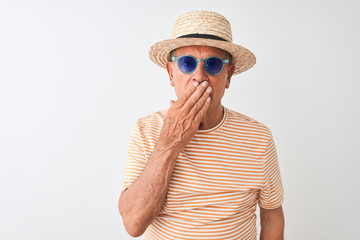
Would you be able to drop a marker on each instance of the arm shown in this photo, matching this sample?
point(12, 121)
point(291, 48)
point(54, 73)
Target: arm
point(272, 224)
point(141, 202)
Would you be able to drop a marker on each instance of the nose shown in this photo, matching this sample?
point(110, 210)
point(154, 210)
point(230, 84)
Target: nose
point(199, 74)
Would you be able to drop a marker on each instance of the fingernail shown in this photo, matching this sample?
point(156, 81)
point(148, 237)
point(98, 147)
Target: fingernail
point(208, 89)
point(204, 84)
point(208, 99)
point(196, 84)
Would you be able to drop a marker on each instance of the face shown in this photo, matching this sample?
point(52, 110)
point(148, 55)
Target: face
point(218, 83)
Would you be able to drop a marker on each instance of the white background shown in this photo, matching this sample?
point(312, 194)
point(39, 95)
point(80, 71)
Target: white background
point(75, 76)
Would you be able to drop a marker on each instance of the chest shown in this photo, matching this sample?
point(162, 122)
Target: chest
point(213, 165)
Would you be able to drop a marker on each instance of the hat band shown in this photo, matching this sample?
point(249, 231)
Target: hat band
point(207, 36)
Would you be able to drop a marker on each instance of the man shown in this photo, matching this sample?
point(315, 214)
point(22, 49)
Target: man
point(198, 170)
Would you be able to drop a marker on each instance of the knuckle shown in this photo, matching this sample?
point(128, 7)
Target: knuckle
point(184, 98)
point(197, 106)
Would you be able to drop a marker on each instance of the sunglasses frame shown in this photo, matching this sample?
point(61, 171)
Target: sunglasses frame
point(223, 61)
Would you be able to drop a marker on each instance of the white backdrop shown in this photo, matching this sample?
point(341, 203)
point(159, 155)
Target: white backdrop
point(75, 76)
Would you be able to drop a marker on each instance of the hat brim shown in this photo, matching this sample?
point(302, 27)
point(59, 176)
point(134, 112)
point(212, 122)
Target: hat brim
point(242, 58)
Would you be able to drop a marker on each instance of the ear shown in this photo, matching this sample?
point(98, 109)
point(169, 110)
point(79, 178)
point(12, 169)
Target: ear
point(170, 70)
point(231, 69)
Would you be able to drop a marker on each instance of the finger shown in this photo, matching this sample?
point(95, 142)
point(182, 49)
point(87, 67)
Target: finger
point(172, 102)
point(200, 103)
point(200, 114)
point(193, 101)
point(191, 88)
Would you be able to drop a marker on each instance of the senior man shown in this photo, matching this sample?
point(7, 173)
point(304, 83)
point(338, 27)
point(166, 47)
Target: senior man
point(198, 169)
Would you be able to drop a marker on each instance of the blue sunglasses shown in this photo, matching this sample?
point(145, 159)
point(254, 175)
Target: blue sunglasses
point(212, 65)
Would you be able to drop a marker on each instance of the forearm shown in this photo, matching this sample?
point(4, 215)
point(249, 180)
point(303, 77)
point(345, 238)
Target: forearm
point(143, 200)
point(272, 224)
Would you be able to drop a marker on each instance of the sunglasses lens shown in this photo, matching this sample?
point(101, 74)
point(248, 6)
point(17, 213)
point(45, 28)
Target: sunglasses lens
point(213, 65)
point(187, 64)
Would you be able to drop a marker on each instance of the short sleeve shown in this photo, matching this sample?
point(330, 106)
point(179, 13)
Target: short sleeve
point(136, 160)
point(271, 194)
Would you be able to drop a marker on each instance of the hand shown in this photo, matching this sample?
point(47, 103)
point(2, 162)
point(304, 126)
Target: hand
point(184, 116)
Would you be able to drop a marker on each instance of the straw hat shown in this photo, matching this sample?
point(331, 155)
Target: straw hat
point(202, 28)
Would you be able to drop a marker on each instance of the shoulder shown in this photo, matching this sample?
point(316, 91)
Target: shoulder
point(152, 120)
point(235, 118)
point(147, 129)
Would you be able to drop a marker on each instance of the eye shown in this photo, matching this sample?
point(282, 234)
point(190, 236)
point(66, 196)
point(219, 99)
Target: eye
point(213, 65)
point(187, 64)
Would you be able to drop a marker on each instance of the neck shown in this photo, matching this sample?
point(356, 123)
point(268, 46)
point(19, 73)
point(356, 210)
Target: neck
point(212, 117)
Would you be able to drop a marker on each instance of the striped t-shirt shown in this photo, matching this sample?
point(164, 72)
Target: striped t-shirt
point(218, 179)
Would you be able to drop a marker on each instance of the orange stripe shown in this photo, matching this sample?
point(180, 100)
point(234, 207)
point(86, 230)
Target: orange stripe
point(218, 179)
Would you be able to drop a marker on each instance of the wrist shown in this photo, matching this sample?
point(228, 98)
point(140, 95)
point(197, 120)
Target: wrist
point(166, 148)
